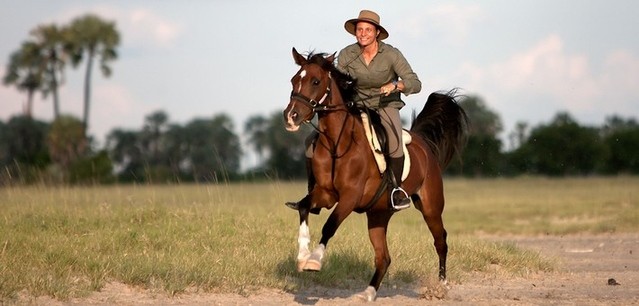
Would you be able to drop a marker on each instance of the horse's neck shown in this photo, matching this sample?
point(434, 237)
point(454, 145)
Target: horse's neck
point(339, 125)
point(333, 123)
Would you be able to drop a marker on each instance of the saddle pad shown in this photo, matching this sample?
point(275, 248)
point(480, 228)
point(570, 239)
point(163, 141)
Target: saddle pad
point(376, 147)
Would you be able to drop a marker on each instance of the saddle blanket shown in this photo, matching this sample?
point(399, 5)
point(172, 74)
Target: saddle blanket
point(377, 148)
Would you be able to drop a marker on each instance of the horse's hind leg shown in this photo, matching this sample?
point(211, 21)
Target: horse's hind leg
point(432, 207)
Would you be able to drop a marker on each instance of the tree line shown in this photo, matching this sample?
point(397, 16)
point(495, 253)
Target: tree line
point(202, 150)
point(562, 147)
point(210, 149)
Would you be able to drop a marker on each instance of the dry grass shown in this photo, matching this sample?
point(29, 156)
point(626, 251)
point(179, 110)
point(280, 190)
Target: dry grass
point(543, 206)
point(67, 242)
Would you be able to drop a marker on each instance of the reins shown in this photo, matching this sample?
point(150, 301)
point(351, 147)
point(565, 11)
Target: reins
point(319, 108)
point(323, 107)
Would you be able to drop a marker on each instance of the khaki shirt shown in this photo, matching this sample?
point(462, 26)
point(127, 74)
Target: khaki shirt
point(389, 64)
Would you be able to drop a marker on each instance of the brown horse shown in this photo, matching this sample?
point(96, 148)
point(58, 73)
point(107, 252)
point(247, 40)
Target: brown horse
point(347, 176)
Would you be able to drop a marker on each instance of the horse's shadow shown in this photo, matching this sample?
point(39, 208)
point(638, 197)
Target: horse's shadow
point(342, 276)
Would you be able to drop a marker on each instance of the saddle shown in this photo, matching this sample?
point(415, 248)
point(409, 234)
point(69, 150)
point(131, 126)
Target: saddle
point(377, 139)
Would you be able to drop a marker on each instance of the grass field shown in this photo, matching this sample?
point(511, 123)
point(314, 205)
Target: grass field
point(69, 241)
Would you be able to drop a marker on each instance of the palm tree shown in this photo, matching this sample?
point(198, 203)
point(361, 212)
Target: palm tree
point(25, 72)
point(51, 42)
point(92, 37)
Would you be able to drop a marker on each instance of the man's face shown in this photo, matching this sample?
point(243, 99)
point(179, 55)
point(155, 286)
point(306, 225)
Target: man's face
point(366, 33)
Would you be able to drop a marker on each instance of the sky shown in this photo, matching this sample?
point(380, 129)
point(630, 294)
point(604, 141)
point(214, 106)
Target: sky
point(526, 59)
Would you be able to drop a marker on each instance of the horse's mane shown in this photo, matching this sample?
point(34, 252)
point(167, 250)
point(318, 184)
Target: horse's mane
point(345, 82)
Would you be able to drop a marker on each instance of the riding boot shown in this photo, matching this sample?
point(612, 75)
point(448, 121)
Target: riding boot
point(311, 183)
point(399, 197)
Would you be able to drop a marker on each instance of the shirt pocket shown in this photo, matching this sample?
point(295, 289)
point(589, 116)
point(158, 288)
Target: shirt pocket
point(381, 75)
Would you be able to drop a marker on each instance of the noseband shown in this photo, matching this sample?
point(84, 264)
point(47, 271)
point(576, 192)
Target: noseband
point(315, 106)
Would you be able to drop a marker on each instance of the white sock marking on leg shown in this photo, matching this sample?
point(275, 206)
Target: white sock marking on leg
point(304, 238)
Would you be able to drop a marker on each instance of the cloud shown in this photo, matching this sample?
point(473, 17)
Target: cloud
point(138, 26)
point(546, 78)
point(453, 22)
point(547, 69)
point(144, 24)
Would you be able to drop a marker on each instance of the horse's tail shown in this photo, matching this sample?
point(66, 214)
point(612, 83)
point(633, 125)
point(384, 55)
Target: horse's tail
point(443, 125)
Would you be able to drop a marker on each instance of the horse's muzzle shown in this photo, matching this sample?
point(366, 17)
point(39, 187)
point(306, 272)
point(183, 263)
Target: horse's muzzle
point(294, 116)
point(291, 120)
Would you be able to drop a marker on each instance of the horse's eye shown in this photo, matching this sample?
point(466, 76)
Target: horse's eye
point(316, 82)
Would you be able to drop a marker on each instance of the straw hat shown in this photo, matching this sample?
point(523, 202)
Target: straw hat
point(367, 16)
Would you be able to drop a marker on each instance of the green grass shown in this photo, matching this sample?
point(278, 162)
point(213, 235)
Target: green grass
point(68, 242)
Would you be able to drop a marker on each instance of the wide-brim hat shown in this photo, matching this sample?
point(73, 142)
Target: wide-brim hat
point(366, 16)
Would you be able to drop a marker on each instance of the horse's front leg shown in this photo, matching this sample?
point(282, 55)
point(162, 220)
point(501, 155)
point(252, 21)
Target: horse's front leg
point(304, 236)
point(377, 225)
point(343, 209)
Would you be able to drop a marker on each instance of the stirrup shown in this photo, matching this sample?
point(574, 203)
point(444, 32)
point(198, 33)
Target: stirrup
point(404, 203)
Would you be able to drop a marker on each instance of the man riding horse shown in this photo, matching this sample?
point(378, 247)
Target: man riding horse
point(381, 74)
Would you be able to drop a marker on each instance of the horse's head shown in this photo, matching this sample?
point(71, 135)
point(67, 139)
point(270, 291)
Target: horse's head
point(311, 89)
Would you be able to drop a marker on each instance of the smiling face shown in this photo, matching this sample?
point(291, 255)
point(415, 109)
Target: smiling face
point(366, 33)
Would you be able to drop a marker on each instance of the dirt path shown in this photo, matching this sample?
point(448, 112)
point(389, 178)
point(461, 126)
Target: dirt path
point(587, 265)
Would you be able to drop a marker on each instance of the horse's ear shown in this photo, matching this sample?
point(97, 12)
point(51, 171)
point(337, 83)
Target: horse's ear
point(299, 59)
point(331, 58)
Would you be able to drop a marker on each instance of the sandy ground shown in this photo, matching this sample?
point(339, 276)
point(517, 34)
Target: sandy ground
point(593, 270)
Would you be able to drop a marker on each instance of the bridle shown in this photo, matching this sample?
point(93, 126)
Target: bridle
point(317, 107)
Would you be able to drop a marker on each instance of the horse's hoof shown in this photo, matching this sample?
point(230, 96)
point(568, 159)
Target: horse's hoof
point(312, 265)
point(302, 258)
point(300, 265)
point(444, 283)
point(368, 295)
point(314, 262)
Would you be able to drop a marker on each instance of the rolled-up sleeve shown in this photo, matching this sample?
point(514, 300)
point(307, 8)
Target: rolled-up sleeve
point(412, 84)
